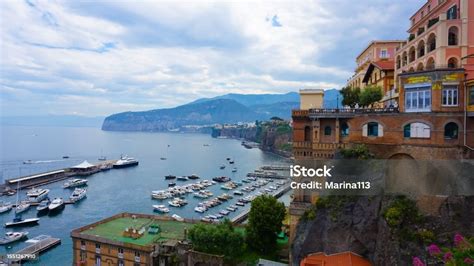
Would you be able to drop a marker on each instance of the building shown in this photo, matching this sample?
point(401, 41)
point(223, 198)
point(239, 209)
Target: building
point(377, 51)
point(338, 259)
point(311, 98)
point(381, 74)
point(137, 239)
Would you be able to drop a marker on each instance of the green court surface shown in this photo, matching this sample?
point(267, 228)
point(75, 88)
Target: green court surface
point(113, 230)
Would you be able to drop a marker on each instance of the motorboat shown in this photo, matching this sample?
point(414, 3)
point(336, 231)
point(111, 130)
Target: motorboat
point(5, 207)
point(200, 209)
point(125, 162)
point(19, 221)
point(230, 208)
point(11, 237)
point(163, 158)
point(37, 194)
point(224, 212)
point(168, 177)
point(56, 205)
point(160, 195)
point(78, 194)
point(28, 162)
point(42, 208)
point(177, 202)
point(177, 218)
point(76, 182)
point(22, 207)
point(221, 179)
point(238, 192)
point(222, 167)
point(231, 161)
point(240, 203)
point(193, 176)
point(182, 178)
point(171, 184)
point(161, 208)
point(66, 157)
point(102, 158)
point(234, 169)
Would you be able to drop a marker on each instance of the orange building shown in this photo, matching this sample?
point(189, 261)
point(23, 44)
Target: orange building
point(338, 259)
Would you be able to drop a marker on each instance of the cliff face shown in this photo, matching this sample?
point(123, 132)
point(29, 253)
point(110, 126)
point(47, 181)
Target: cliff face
point(358, 225)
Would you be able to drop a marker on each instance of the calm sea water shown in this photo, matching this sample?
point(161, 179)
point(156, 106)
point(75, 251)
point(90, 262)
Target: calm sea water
point(117, 190)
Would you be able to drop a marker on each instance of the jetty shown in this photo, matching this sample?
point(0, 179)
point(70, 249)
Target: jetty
point(38, 245)
point(276, 167)
point(82, 169)
point(245, 213)
point(267, 175)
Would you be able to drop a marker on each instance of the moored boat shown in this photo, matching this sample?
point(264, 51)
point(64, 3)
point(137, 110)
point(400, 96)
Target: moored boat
point(5, 206)
point(19, 221)
point(182, 178)
point(193, 176)
point(78, 194)
point(125, 162)
point(56, 205)
point(42, 208)
point(11, 237)
point(22, 207)
point(168, 177)
point(161, 208)
point(37, 194)
point(76, 182)
point(177, 218)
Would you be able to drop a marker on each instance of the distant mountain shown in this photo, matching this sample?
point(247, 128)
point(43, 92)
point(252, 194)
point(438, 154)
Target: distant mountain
point(197, 113)
point(331, 98)
point(52, 120)
point(256, 99)
point(280, 109)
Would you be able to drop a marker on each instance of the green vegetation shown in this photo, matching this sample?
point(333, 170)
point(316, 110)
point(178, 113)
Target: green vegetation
point(219, 239)
point(359, 151)
point(350, 96)
point(265, 222)
point(370, 95)
point(283, 129)
point(286, 147)
point(402, 212)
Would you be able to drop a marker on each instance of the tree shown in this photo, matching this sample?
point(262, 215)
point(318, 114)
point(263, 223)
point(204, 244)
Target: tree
point(276, 118)
point(265, 221)
point(219, 239)
point(370, 95)
point(350, 96)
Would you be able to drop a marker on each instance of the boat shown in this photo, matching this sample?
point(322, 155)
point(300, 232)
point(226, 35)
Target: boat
point(177, 202)
point(182, 178)
point(160, 195)
point(161, 208)
point(22, 207)
point(42, 208)
point(28, 162)
point(11, 192)
point(5, 207)
point(228, 158)
point(11, 237)
point(125, 162)
point(231, 161)
point(206, 145)
point(230, 208)
point(78, 194)
point(65, 157)
point(102, 158)
point(224, 212)
point(221, 179)
point(171, 184)
point(177, 218)
point(168, 177)
point(222, 167)
point(238, 192)
point(76, 182)
point(56, 205)
point(200, 209)
point(19, 221)
point(163, 158)
point(234, 169)
point(193, 176)
point(239, 203)
point(37, 194)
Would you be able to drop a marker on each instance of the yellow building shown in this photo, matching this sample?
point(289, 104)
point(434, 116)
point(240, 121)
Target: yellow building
point(311, 98)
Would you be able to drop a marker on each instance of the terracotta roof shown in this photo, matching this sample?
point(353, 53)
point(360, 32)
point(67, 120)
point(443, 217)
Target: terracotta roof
point(338, 259)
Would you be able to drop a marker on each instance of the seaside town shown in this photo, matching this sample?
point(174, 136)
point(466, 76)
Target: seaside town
point(408, 101)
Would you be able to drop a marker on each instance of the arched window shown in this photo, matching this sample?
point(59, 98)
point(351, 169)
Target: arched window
point(416, 130)
point(412, 54)
point(431, 42)
point(411, 69)
point(451, 131)
point(420, 67)
point(399, 62)
point(327, 131)
point(404, 59)
point(421, 48)
point(372, 129)
point(307, 133)
point(452, 62)
point(430, 64)
point(344, 129)
point(453, 34)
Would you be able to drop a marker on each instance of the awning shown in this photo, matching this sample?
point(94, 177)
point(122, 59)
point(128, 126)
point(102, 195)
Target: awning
point(83, 165)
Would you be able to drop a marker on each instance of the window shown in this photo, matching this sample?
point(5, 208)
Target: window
point(422, 13)
point(452, 63)
point(97, 260)
point(429, 8)
point(431, 42)
point(471, 95)
point(418, 99)
point(452, 13)
point(450, 96)
point(83, 255)
point(344, 129)
point(453, 36)
point(307, 133)
point(120, 263)
point(451, 131)
point(373, 129)
point(327, 131)
point(383, 53)
point(416, 130)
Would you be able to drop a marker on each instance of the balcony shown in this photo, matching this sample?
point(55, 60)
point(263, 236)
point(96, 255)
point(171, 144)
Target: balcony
point(328, 146)
point(302, 144)
point(299, 113)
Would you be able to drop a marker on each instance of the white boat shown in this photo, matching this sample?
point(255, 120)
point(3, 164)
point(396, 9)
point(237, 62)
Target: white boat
point(42, 208)
point(200, 209)
point(234, 169)
point(231, 209)
point(78, 194)
point(238, 192)
point(37, 194)
point(19, 221)
point(182, 178)
point(125, 162)
point(76, 182)
point(161, 208)
point(160, 195)
point(5, 207)
point(22, 207)
point(102, 158)
point(12, 237)
point(56, 204)
point(177, 218)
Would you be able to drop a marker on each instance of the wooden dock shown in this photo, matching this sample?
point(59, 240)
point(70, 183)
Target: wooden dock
point(39, 245)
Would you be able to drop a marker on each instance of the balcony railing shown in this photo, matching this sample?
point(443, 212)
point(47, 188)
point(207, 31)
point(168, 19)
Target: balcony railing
point(328, 146)
point(353, 111)
point(302, 144)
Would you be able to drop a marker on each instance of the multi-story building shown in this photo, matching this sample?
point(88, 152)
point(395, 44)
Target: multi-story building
point(136, 239)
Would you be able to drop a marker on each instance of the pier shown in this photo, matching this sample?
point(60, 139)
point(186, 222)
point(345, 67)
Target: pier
point(276, 167)
point(245, 213)
point(39, 245)
point(267, 175)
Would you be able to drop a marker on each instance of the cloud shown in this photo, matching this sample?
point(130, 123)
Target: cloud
point(100, 57)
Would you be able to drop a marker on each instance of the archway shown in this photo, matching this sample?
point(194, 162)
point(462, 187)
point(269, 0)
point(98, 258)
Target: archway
point(453, 34)
point(452, 63)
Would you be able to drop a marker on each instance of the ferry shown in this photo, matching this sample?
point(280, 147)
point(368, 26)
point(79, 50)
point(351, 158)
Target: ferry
point(11, 237)
point(37, 194)
point(56, 205)
point(76, 182)
point(78, 194)
point(5, 206)
point(161, 208)
point(125, 162)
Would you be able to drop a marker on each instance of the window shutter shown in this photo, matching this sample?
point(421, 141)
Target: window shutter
point(380, 130)
point(364, 130)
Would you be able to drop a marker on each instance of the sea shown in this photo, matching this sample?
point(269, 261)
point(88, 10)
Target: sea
point(117, 190)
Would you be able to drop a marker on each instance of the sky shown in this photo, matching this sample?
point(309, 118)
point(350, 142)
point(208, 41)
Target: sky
point(95, 58)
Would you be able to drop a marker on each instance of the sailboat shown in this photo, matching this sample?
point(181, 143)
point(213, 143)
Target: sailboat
point(18, 220)
point(102, 157)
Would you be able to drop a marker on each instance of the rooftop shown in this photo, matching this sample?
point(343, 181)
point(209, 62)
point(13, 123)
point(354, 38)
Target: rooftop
point(113, 228)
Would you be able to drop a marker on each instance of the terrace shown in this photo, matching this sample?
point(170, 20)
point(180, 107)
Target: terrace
point(341, 112)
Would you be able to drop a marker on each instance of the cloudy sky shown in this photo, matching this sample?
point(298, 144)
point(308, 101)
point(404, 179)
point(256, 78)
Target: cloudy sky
point(94, 58)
